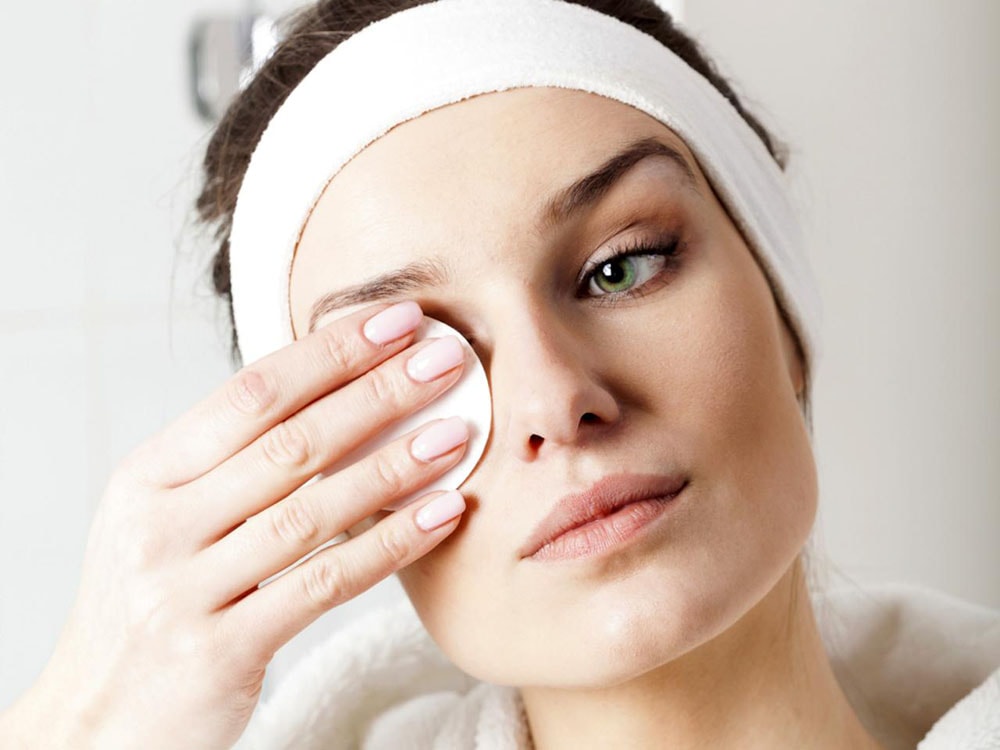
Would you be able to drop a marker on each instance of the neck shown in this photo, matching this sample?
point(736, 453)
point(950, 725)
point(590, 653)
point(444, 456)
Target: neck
point(765, 682)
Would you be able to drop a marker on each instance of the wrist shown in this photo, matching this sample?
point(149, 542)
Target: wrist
point(35, 722)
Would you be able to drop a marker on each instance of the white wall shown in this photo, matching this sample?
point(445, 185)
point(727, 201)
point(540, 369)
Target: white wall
point(891, 108)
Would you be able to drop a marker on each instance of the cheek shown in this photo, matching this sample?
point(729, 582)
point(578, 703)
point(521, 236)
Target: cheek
point(753, 442)
point(456, 590)
point(728, 404)
point(726, 361)
point(732, 385)
point(450, 578)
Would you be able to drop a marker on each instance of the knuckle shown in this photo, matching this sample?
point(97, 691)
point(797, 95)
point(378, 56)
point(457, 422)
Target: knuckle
point(148, 611)
point(336, 351)
point(136, 470)
point(383, 391)
point(394, 544)
point(389, 474)
point(250, 392)
point(146, 549)
point(153, 608)
point(326, 581)
point(287, 445)
point(293, 524)
point(186, 643)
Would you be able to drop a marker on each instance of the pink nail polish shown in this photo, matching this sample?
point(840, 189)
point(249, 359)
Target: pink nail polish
point(440, 510)
point(439, 438)
point(393, 322)
point(435, 359)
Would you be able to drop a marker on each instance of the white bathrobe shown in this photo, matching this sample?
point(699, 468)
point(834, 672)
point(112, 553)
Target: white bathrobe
point(921, 668)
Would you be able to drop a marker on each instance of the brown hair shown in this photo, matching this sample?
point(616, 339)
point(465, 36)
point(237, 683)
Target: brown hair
point(316, 30)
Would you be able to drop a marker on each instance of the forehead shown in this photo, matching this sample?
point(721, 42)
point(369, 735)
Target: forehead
point(531, 139)
point(483, 166)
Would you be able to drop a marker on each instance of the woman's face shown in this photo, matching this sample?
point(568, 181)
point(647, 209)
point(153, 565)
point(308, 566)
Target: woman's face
point(661, 364)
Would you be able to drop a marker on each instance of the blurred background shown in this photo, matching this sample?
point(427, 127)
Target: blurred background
point(108, 329)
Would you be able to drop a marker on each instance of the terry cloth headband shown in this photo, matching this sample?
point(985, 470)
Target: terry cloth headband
point(441, 52)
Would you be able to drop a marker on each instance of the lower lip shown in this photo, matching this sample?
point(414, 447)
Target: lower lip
point(606, 533)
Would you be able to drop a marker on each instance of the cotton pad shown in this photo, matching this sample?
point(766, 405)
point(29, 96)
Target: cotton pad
point(469, 399)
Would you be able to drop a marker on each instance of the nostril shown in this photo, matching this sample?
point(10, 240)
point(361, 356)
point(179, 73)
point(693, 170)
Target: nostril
point(589, 417)
point(535, 441)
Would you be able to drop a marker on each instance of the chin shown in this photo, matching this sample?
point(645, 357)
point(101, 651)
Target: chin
point(653, 618)
point(647, 631)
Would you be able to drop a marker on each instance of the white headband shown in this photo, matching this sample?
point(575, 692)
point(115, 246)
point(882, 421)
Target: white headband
point(439, 53)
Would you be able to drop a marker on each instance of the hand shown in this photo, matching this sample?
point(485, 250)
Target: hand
point(169, 638)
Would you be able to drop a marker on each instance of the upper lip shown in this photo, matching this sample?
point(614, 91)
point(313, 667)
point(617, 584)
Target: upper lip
point(603, 498)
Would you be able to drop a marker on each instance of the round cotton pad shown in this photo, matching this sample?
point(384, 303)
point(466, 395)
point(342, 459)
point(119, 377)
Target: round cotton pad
point(469, 398)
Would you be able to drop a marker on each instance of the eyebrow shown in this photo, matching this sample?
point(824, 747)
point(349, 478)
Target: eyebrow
point(420, 274)
point(565, 204)
point(590, 189)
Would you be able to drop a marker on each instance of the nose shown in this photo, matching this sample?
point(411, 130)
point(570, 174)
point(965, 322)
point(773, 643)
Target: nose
point(546, 384)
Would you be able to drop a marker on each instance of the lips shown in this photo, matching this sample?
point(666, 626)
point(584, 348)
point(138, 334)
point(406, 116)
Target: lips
point(606, 496)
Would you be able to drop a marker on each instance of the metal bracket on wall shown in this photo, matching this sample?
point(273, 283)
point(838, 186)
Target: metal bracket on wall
point(224, 53)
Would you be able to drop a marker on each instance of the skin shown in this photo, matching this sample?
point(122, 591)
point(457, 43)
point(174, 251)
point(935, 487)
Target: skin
point(700, 633)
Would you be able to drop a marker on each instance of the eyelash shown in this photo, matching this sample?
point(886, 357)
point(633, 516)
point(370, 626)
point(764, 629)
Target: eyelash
point(668, 248)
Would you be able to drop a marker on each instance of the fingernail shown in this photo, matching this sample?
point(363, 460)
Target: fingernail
point(393, 322)
point(436, 359)
point(439, 438)
point(440, 510)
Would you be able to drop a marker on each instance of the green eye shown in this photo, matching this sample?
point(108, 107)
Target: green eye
point(622, 272)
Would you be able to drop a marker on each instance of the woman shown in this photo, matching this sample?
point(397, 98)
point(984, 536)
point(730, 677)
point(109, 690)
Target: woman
point(635, 294)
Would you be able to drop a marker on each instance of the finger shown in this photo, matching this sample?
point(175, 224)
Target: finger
point(286, 531)
point(293, 451)
point(268, 618)
point(265, 392)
